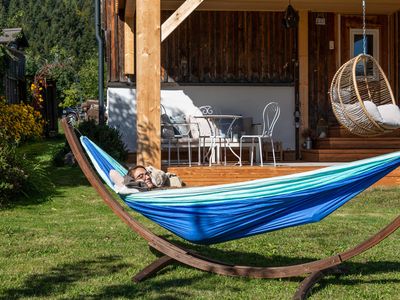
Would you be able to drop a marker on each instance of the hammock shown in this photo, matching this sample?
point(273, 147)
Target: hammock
point(213, 214)
point(177, 253)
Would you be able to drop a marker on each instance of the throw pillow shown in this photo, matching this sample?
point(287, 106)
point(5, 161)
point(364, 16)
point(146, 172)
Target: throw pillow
point(158, 177)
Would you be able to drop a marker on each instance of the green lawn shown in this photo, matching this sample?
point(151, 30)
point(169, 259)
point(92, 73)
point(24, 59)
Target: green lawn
point(69, 245)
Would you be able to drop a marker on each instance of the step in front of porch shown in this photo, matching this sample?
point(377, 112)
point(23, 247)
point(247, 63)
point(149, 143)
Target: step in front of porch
point(344, 149)
point(358, 143)
point(341, 155)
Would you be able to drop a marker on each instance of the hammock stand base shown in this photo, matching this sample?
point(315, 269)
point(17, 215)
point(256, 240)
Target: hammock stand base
point(308, 283)
point(173, 253)
point(302, 292)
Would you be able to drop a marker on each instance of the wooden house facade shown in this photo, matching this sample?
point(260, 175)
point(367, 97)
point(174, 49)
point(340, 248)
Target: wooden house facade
point(13, 80)
point(236, 55)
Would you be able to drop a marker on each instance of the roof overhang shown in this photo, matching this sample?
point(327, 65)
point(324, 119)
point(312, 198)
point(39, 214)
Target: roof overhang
point(13, 35)
point(337, 6)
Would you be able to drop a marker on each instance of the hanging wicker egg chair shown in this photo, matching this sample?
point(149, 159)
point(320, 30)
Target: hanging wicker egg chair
point(356, 88)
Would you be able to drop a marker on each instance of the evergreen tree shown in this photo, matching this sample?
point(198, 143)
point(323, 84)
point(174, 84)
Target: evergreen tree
point(59, 32)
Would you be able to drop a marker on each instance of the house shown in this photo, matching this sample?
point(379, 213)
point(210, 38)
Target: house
point(236, 55)
point(13, 79)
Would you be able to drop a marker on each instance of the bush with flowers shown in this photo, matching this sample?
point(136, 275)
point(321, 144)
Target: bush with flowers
point(20, 121)
point(37, 93)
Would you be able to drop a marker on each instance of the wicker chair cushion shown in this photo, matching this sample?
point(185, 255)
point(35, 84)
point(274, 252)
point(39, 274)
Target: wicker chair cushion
point(373, 111)
point(390, 114)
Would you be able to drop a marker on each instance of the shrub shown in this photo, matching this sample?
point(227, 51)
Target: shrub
point(20, 122)
point(107, 138)
point(19, 175)
point(12, 174)
point(59, 157)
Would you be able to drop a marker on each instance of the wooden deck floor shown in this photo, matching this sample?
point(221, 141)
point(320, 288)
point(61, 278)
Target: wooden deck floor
point(205, 175)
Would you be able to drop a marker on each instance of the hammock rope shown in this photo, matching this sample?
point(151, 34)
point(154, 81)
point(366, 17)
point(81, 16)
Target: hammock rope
point(214, 214)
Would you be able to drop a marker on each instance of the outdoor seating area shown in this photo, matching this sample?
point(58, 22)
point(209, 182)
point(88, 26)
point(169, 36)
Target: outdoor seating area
point(218, 138)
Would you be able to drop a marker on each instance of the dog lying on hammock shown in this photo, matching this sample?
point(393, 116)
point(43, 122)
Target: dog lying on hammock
point(141, 179)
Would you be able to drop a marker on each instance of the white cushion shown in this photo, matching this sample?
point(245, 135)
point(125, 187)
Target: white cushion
point(373, 111)
point(390, 114)
point(199, 126)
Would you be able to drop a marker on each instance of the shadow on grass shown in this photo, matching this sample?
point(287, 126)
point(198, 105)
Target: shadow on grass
point(237, 257)
point(67, 176)
point(44, 178)
point(59, 278)
point(47, 189)
point(257, 260)
point(357, 269)
point(166, 288)
point(58, 281)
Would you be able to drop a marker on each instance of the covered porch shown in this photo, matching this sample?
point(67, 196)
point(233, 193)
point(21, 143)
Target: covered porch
point(236, 55)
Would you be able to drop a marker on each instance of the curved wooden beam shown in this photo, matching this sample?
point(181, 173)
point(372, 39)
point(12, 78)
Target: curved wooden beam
point(190, 258)
point(307, 284)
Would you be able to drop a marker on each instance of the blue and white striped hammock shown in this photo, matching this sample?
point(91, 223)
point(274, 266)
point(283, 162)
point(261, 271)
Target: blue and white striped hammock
point(214, 214)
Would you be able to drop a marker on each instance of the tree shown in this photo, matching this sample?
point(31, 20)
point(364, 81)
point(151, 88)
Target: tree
point(88, 78)
point(58, 32)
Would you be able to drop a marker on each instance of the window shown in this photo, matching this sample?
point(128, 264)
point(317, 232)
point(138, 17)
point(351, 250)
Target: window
point(357, 47)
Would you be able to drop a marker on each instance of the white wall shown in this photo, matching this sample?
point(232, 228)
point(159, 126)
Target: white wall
point(247, 101)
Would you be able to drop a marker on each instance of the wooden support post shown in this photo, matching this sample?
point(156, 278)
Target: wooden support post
point(178, 17)
point(148, 45)
point(303, 67)
point(129, 37)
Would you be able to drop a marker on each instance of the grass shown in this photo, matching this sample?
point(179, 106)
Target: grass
point(67, 244)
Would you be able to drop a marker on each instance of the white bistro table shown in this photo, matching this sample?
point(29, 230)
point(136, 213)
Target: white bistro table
point(216, 136)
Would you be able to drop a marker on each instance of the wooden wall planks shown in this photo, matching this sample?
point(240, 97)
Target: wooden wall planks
point(214, 47)
point(321, 68)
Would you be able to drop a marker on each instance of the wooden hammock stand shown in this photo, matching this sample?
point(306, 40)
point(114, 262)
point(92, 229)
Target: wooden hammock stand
point(173, 253)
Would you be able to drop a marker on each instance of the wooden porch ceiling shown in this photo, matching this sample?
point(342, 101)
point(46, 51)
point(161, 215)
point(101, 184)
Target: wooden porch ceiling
point(338, 6)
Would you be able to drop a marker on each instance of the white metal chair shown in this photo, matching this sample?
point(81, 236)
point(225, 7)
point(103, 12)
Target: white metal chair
point(271, 114)
point(212, 137)
point(175, 134)
point(206, 133)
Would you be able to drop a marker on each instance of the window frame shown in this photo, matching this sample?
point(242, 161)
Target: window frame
point(359, 31)
point(375, 47)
